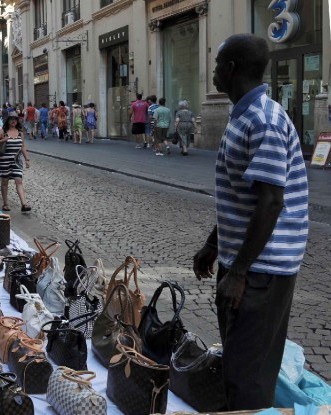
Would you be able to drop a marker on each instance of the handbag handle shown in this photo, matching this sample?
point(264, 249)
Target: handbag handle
point(43, 250)
point(80, 271)
point(14, 322)
point(9, 377)
point(16, 258)
point(128, 260)
point(99, 264)
point(89, 316)
point(77, 375)
point(124, 288)
point(32, 344)
point(27, 296)
point(73, 246)
point(177, 354)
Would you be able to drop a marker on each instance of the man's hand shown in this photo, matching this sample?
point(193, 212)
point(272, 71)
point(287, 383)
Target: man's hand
point(203, 262)
point(231, 289)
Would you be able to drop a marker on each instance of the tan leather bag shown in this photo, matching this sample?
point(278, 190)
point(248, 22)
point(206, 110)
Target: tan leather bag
point(42, 259)
point(10, 330)
point(137, 297)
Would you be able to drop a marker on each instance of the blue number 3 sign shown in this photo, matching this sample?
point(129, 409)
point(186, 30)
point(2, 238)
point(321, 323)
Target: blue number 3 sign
point(286, 23)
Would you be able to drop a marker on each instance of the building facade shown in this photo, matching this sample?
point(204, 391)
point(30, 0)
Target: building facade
point(105, 51)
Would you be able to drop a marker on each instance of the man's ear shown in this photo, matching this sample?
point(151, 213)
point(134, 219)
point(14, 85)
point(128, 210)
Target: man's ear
point(231, 67)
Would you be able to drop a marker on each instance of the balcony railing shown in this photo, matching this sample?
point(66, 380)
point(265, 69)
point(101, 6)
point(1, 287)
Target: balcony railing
point(39, 32)
point(70, 16)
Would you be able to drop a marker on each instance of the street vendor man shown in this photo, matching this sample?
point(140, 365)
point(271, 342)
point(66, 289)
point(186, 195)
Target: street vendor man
point(262, 225)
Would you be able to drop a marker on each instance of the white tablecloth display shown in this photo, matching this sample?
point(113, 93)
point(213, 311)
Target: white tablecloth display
point(175, 404)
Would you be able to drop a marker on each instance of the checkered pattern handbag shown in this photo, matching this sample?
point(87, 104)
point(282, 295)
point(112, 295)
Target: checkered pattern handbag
point(13, 401)
point(71, 393)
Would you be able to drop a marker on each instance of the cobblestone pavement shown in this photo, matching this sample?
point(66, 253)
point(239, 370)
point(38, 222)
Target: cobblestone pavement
point(115, 216)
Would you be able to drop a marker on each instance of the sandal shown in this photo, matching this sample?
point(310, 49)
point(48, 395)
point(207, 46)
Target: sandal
point(25, 208)
point(5, 208)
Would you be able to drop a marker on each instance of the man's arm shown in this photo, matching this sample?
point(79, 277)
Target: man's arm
point(260, 228)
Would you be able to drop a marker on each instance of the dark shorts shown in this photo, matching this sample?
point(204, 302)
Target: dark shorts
point(160, 134)
point(138, 128)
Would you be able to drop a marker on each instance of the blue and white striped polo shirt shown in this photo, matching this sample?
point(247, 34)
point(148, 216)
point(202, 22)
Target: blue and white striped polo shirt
point(260, 143)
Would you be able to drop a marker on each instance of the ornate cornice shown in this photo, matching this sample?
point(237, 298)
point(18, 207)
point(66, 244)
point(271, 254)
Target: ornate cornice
point(70, 28)
point(23, 5)
point(111, 9)
point(40, 42)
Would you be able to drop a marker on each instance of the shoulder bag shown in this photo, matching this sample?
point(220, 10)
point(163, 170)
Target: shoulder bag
point(29, 362)
point(50, 287)
point(107, 328)
point(10, 330)
point(136, 384)
point(12, 262)
point(72, 258)
point(71, 393)
point(66, 345)
point(160, 338)
point(34, 314)
point(41, 260)
point(196, 375)
point(27, 277)
point(84, 302)
point(137, 297)
point(13, 401)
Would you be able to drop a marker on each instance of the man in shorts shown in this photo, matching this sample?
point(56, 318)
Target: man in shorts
point(30, 120)
point(162, 117)
point(138, 112)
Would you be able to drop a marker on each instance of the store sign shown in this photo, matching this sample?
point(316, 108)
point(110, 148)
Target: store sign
point(114, 37)
point(287, 21)
point(161, 8)
point(40, 79)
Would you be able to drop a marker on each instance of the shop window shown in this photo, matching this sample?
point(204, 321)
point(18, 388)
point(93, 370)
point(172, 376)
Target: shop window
point(40, 19)
point(71, 11)
point(20, 83)
point(104, 3)
point(74, 75)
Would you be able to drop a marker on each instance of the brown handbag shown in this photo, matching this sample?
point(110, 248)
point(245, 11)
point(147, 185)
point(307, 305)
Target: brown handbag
point(137, 297)
point(42, 259)
point(10, 330)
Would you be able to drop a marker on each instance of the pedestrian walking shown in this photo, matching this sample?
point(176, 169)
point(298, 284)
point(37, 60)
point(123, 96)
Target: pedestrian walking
point(162, 117)
point(185, 125)
point(11, 163)
point(43, 119)
point(20, 112)
point(262, 226)
point(149, 129)
point(91, 117)
point(29, 120)
point(36, 122)
point(138, 112)
point(54, 120)
point(77, 123)
point(4, 113)
point(62, 121)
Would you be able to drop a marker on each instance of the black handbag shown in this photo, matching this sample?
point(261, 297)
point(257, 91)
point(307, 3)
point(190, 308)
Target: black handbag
point(13, 262)
point(134, 381)
point(73, 257)
point(196, 375)
point(107, 328)
point(13, 401)
point(160, 338)
point(66, 345)
point(29, 362)
point(20, 276)
point(176, 138)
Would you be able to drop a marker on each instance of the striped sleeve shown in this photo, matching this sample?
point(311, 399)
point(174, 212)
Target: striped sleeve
point(268, 144)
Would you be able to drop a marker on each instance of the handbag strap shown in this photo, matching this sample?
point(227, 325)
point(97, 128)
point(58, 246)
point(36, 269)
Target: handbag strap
point(77, 375)
point(99, 264)
point(128, 261)
point(9, 377)
point(88, 317)
point(73, 246)
point(118, 289)
point(132, 354)
point(11, 322)
point(87, 276)
point(44, 250)
point(188, 338)
point(16, 258)
point(27, 296)
point(32, 344)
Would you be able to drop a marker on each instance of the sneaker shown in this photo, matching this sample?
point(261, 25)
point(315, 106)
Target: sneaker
point(148, 145)
point(168, 150)
point(138, 146)
point(145, 145)
point(159, 154)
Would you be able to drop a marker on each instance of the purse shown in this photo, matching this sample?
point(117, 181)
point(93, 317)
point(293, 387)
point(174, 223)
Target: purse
point(29, 362)
point(196, 375)
point(71, 393)
point(134, 381)
point(27, 277)
point(3, 146)
point(42, 259)
point(10, 330)
point(66, 345)
point(107, 328)
point(160, 338)
point(13, 401)
point(12, 262)
point(34, 314)
point(176, 138)
point(4, 230)
point(50, 287)
point(137, 297)
point(73, 257)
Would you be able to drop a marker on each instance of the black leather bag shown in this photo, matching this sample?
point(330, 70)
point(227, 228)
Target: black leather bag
point(196, 375)
point(66, 345)
point(159, 338)
point(107, 328)
point(13, 401)
point(134, 381)
point(176, 138)
point(73, 257)
point(25, 276)
point(13, 262)
point(29, 362)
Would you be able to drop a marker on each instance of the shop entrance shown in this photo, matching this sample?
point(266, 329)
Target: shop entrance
point(295, 76)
